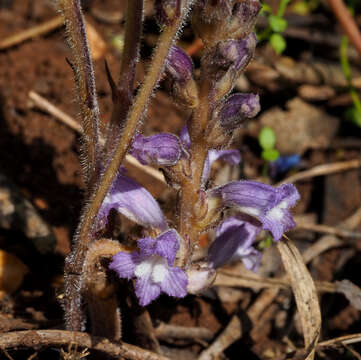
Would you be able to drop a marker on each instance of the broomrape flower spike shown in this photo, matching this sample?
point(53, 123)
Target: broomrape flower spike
point(153, 267)
point(163, 263)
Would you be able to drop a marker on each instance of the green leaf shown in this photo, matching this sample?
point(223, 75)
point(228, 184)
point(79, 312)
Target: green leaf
point(267, 138)
point(266, 243)
point(278, 43)
point(265, 8)
point(270, 154)
point(354, 115)
point(277, 23)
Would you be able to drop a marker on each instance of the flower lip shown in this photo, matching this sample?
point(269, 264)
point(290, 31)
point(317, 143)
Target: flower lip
point(153, 267)
point(270, 205)
point(132, 201)
point(234, 240)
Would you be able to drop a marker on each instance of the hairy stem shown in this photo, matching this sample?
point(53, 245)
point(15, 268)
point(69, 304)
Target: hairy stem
point(187, 225)
point(123, 92)
point(84, 235)
point(85, 86)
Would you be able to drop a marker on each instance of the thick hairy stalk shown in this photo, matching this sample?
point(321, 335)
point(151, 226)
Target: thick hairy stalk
point(85, 87)
point(99, 293)
point(84, 235)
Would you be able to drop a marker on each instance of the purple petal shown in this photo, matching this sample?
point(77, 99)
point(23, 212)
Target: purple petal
point(161, 149)
point(234, 239)
point(179, 65)
point(146, 290)
point(236, 109)
point(278, 220)
point(233, 157)
point(185, 138)
point(167, 245)
point(238, 53)
point(175, 283)
point(134, 202)
point(250, 197)
point(124, 264)
point(146, 247)
point(251, 260)
point(268, 204)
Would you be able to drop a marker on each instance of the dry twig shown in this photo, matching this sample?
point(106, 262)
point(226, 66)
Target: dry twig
point(324, 169)
point(44, 338)
point(38, 30)
point(167, 331)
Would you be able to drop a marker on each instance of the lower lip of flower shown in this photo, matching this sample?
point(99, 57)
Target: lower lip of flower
point(155, 266)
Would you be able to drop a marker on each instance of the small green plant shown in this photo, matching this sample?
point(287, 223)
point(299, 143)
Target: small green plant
point(276, 26)
point(353, 113)
point(267, 140)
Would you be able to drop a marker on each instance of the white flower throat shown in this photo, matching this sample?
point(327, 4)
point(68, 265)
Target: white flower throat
point(155, 266)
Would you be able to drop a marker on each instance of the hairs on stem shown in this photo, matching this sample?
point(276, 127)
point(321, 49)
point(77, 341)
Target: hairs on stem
point(82, 66)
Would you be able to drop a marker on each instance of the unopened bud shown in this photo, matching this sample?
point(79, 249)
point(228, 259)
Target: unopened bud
point(200, 277)
point(244, 18)
point(210, 20)
point(167, 11)
point(180, 67)
point(223, 64)
point(236, 109)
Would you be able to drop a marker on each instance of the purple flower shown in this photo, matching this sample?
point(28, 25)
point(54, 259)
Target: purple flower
point(161, 149)
point(134, 202)
point(234, 239)
point(153, 267)
point(236, 109)
point(270, 205)
point(233, 157)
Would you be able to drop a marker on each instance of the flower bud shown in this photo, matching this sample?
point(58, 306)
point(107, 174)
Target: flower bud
point(200, 277)
point(223, 64)
point(236, 109)
point(167, 10)
point(210, 20)
point(180, 67)
point(244, 18)
point(161, 149)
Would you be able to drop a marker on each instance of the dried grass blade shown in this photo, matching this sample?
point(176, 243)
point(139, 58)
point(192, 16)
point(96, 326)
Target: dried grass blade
point(305, 294)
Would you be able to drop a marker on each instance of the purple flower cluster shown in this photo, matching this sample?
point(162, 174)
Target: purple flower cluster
point(257, 206)
point(153, 267)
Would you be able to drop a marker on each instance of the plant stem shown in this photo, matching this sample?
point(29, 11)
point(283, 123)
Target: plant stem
point(86, 91)
point(123, 92)
point(84, 234)
point(187, 225)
